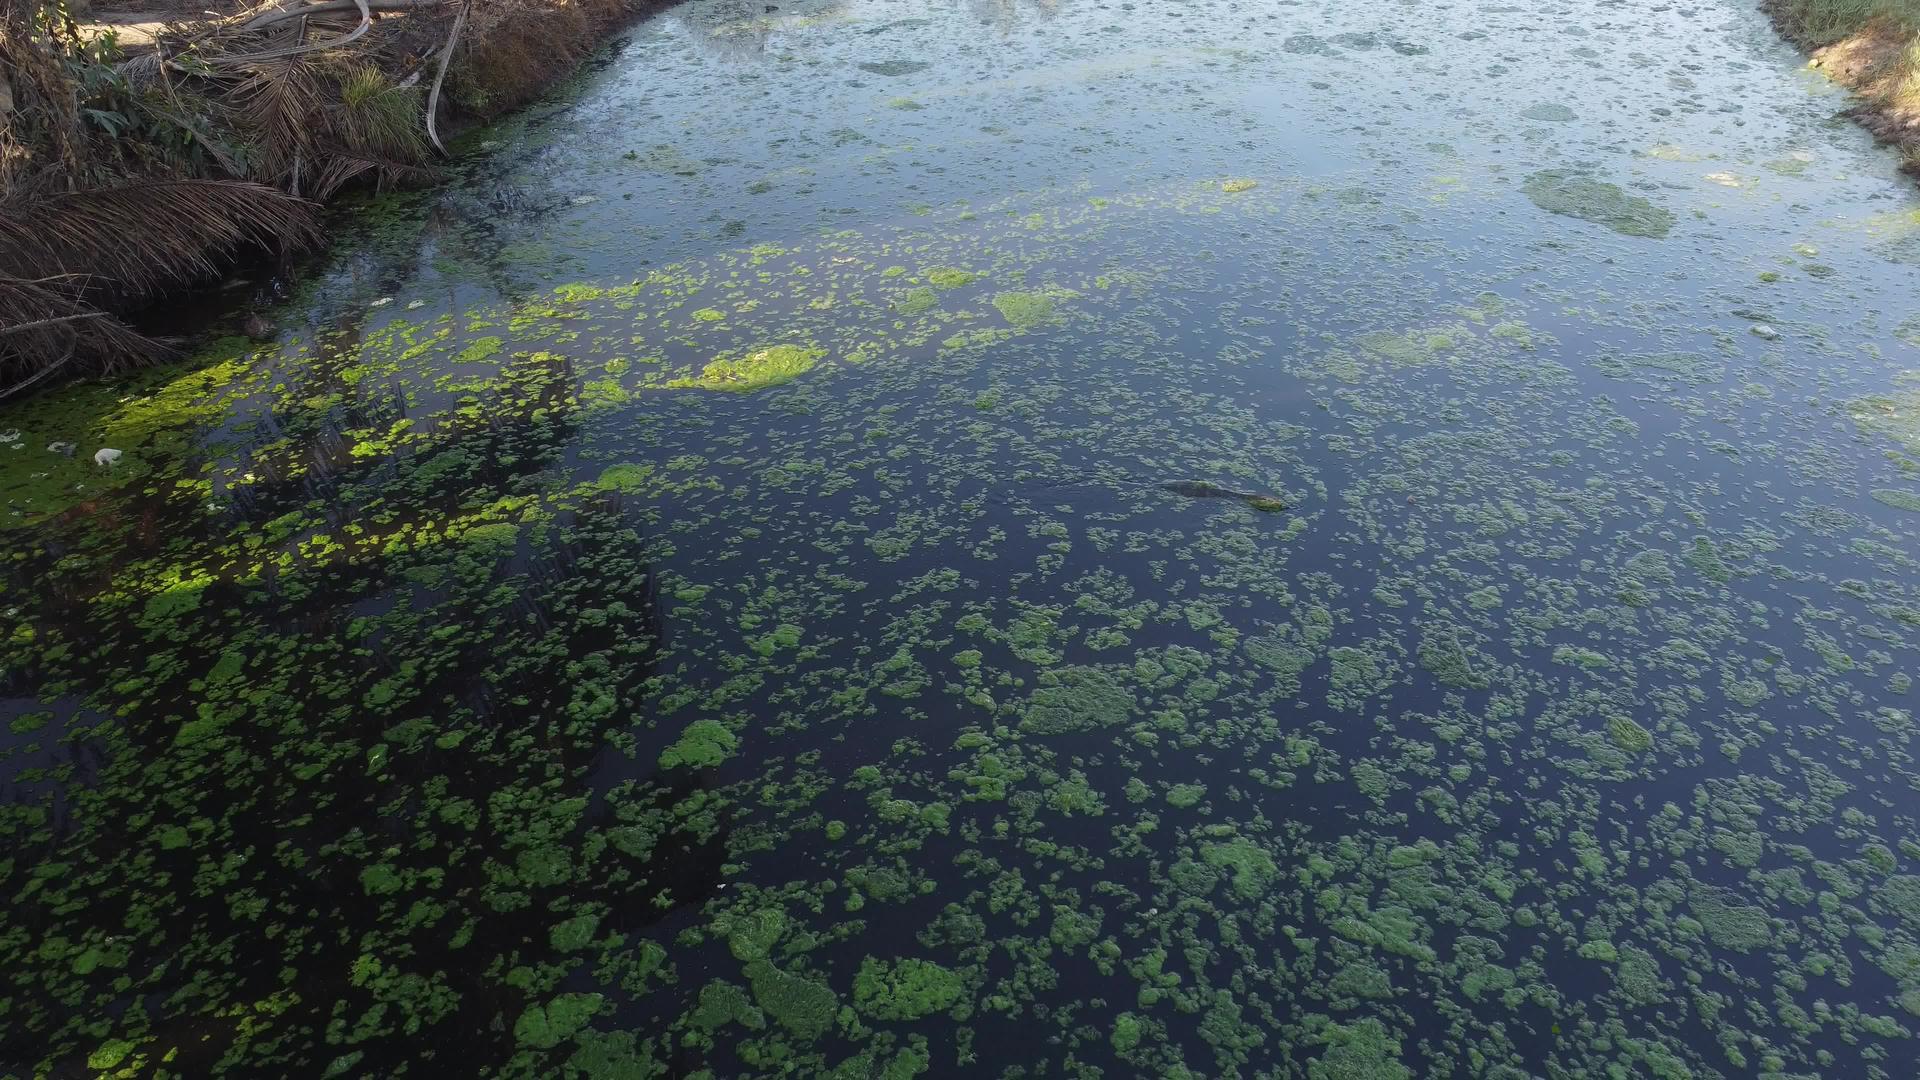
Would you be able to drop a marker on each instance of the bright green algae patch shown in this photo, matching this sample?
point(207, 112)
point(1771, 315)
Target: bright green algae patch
point(757, 370)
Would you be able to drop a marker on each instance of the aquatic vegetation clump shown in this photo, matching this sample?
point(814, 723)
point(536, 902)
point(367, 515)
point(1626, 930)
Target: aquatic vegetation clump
point(1578, 195)
point(1898, 498)
point(947, 277)
point(757, 370)
point(1025, 310)
point(703, 744)
point(905, 989)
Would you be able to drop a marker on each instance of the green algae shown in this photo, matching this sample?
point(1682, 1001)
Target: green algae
point(1186, 795)
point(723, 1003)
point(799, 1004)
point(917, 301)
point(704, 743)
point(759, 369)
point(1077, 699)
point(479, 349)
point(1729, 924)
point(905, 989)
point(1025, 310)
point(1251, 868)
point(553, 1022)
point(1580, 196)
point(1898, 498)
point(1361, 1050)
point(947, 277)
point(1237, 185)
point(630, 477)
point(957, 643)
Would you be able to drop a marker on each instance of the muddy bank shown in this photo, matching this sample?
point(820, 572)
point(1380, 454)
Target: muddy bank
point(1877, 56)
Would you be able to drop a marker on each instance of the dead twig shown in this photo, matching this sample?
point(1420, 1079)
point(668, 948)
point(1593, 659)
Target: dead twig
point(279, 15)
point(440, 76)
point(41, 323)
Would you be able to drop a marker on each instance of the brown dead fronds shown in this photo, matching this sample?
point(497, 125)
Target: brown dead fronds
point(137, 240)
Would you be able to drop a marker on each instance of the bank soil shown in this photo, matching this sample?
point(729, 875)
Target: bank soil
point(1875, 53)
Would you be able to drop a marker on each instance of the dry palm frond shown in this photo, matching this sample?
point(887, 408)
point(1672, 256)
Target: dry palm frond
point(143, 238)
point(48, 330)
point(276, 104)
point(342, 169)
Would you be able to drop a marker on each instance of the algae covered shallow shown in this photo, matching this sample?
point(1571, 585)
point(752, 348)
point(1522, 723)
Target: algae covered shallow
point(1126, 568)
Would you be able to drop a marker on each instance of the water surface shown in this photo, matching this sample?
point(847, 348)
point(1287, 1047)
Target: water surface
point(1015, 539)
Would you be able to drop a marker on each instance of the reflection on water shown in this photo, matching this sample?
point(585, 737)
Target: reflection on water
point(877, 539)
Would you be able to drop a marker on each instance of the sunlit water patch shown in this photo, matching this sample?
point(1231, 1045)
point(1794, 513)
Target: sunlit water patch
point(1013, 538)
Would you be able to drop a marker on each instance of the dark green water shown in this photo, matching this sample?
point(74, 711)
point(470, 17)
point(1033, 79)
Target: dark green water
point(1330, 540)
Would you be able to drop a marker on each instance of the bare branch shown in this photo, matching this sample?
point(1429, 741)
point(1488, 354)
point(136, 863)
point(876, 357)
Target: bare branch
point(446, 57)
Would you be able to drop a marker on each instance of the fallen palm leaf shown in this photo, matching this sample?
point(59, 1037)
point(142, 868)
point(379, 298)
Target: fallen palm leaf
point(140, 239)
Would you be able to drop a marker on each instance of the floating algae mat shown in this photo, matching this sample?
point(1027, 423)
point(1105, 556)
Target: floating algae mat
point(1601, 203)
point(1216, 545)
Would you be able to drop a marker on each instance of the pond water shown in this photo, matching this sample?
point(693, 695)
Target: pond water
point(1334, 540)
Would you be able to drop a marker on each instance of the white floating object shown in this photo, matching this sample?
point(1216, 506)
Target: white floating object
point(64, 449)
point(1764, 332)
point(582, 200)
point(382, 302)
point(106, 455)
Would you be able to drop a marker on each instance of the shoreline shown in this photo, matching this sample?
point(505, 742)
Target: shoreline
point(1877, 61)
point(199, 202)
